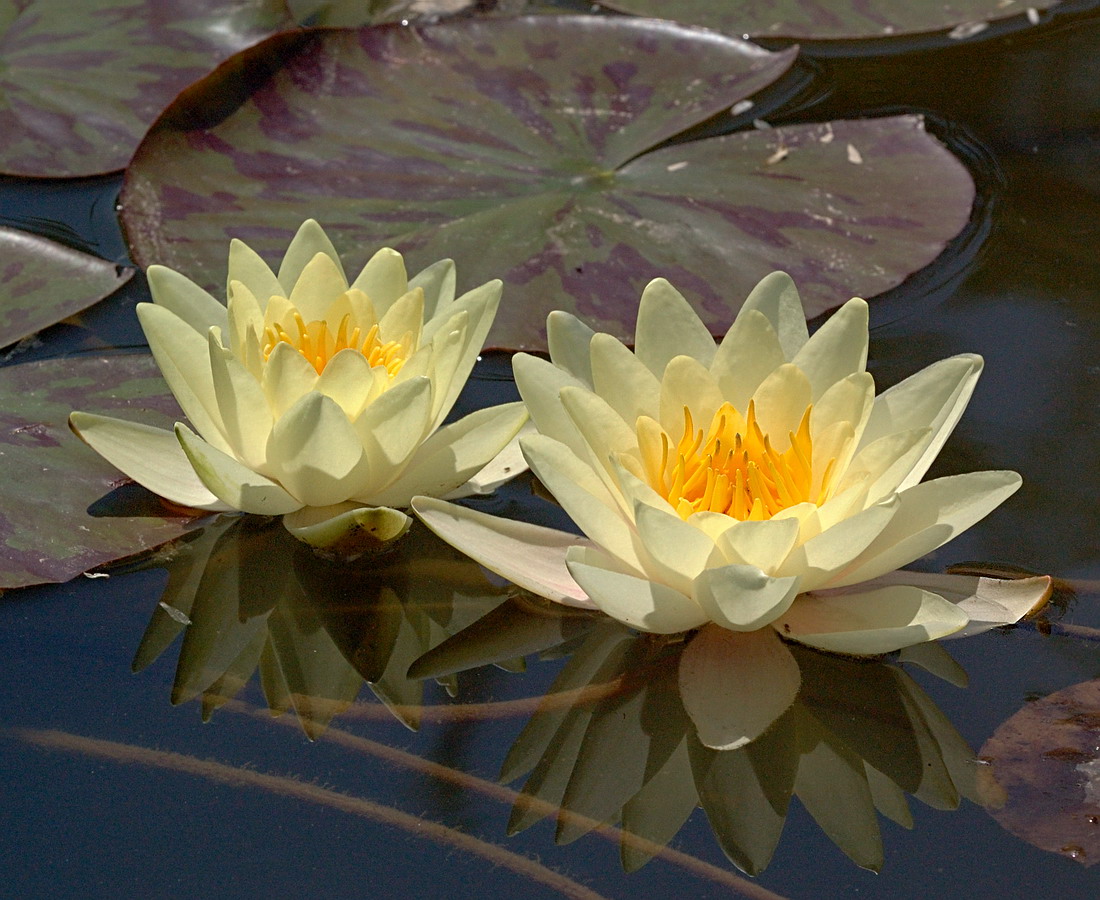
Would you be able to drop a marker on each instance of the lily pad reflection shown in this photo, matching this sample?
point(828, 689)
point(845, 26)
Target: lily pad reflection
point(247, 597)
point(612, 742)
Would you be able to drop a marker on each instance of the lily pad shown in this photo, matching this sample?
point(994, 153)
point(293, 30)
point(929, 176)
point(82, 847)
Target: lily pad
point(63, 510)
point(350, 13)
point(42, 282)
point(536, 150)
point(812, 20)
point(82, 82)
point(1041, 780)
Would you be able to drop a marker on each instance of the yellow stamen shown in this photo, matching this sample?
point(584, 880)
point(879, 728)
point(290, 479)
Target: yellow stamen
point(318, 345)
point(733, 468)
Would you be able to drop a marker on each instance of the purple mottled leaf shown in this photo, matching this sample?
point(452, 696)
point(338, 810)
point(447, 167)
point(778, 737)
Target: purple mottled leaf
point(851, 19)
point(42, 282)
point(352, 13)
point(524, 149)
point(63, 509)
point(81, 82)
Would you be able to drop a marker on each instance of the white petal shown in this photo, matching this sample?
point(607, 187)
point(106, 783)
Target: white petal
point(743, 598)
point(781, 401)
point(315, 452)
point(928, 516)
point(883, 463)
point(245, 325)
point(151, 456)
point(764, 545)
point(637, 602)
point(320, 283)
point(232, 482)
point(406, 315)
point(528, 555)
point(604, 433)
point(688, 384)
point(777, 298)
point(934, 397)
point(245, 414)
point(748, 354)
point(735, 684)
point(837, 349)
point(246, 266)
point(870, 622)
point(620, 378)
point(540, 384)
point(677, 550)
point(820, 558)
point(184, 360)
point(669, 327)
point(309, 240)
point(438, 284)
point(383, 279)
point(454, 454)
point(502, 468)
point(186, 299)
point(395, 424)
point(348, 380)
point(346, 531)
point(287, 377)
point(568, 340)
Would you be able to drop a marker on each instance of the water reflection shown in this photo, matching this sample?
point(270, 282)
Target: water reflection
point(248, 597)
point(611, 742)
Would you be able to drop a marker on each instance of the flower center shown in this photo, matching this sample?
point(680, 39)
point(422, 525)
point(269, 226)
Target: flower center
point(317, 342)
point(733, 468)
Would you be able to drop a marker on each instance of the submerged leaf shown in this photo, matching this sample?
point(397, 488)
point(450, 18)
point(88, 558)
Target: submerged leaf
point(534, 150)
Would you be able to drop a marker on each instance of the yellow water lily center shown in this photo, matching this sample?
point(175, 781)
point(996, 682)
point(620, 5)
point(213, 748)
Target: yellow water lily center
point(312, 397)
point(756, 489)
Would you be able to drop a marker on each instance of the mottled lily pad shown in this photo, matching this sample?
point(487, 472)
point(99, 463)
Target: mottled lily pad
point(63, 510)
point(1041, 780)
point(350, 13)
point(82, 82)
point(812, 20)
point(42, 282)
point(533, 150)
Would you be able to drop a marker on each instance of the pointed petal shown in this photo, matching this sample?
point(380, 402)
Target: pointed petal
point(668, 327)
point(870, 622)
point(837, 349)
point(528, 555)
point(438, 284)
point(687, 384)
point(764, 545)
point(748, 354)
point(736, 684)
point(186, 299)
point(502, 468)
point(568, 340)
point(319, 284)
point(620, 378)
point(539, 383)
point(315, 452)
point(233, 483)
point(247, 267)
point(394, 425)
point(304, 246)
point(678, 551)
point(245, 324)
point(184, 360)
point(830, 552)
point(777, 298)
point(934, 397)
point(781, 401)
point(383, 279)
point(454, 454)
point(604, 433)
point(242, 405)
point(346, 531)
point(404, 316)
point(928, 516)
point(151, 456)
point(743, 598)
point(287, 377)
point(638, 602)
point(348, 380)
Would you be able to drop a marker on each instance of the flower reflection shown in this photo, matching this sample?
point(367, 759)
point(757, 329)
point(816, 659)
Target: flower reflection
point(248, 598)
point(612, 741)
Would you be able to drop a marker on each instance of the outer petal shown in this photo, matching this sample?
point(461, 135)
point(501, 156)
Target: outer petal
point(394, 425)
point(777, 298)
point(638, 602)
point(309, 240)
point(668, 327)
point(234, 484)
point(734, 685)
point(454, 454)
point(742, 598)
point(539, 384)
point(242, 405)
point(528, 555)
point(870, 622)
point(928, 516)
point(568, 339)
point(246, 266)
point(383, 279)
point(315, 452)
point(151, 456)
point(346, 530)
point(678, 550)
point(186, 299)
point(184, 360)
point(621, 379)
point(837, 349)
point(822, 556)
point(438, 284)
point(762, 545)
point(287, 378)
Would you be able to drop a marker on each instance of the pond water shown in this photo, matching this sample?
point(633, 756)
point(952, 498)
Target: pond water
point(110, 790)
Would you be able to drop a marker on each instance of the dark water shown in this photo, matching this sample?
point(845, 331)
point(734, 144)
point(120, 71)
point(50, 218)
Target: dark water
point(1022, 288)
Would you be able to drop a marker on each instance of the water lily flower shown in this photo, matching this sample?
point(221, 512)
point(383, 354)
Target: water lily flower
point(312, 398)
point(757, 490)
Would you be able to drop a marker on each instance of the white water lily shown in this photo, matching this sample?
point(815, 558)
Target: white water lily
point(312, 397)
point(757, 487)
